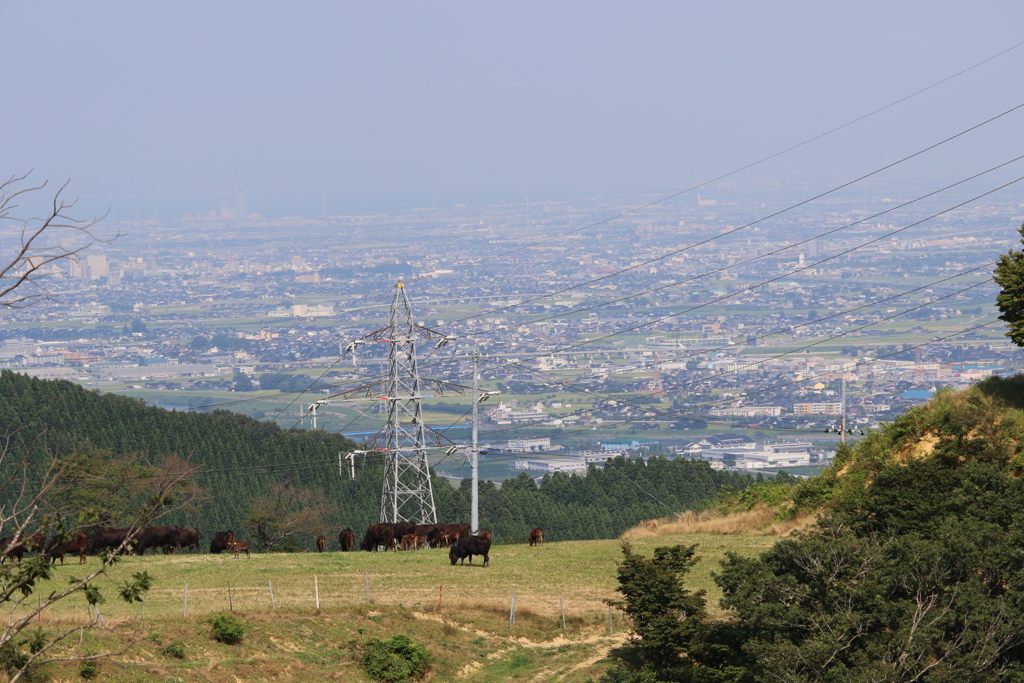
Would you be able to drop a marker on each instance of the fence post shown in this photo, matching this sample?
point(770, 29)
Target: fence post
point(561, 606)
point(316, 589)
point(611, 626)
point(143, 608)
point(512, 611)
point(272, 604)
point(367, 586)
point(231, 603)
point(184, 611)
point(440, 597)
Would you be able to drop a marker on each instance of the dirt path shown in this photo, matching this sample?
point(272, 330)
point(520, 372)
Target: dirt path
point(604, 643)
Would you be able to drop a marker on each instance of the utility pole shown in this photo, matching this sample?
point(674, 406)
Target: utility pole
point(842, 419)
point(312, 409)
point(474, 516)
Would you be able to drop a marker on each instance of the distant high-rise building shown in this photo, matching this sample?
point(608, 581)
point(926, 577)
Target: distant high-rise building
point(97, 265)
point(241, 209)
point(812, 248)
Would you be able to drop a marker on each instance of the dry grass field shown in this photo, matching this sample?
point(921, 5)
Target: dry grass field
point(418, 593)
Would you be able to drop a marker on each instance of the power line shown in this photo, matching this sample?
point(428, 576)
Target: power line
point(724, 234)
point(747, 166)
point(755, 222)
point(577, 311)
point(775, 279)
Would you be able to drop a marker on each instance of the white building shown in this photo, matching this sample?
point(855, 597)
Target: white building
point(529, 445)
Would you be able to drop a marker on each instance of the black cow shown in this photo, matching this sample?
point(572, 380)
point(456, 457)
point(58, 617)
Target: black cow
point(403, 528)
point(431, 531)
point(377, 535)
point(188, 538)
point(110, 538)
point(221, 541)
point(347, 540)
point(9, 548)
point(468, 546)
point(60, 546)
point(435, 535)
point(157, 537)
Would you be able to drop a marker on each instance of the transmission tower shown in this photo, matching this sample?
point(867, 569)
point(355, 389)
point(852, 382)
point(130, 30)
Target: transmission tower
point(407, 495)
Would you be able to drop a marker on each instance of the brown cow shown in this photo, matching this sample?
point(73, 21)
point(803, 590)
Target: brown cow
point(78, 543)
point(347, 540)
point(536, 537)
point(453, 532)
point(237, 546)
point(486, 533)
point(408, 542)
point(320, 543)
point(421, 541)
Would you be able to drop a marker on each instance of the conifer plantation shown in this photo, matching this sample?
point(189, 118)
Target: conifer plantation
point(241, 458)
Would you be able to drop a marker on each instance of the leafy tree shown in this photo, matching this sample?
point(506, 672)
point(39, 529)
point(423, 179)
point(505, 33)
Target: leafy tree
point(200, 344)
point(1009, 275)
point(287, 511)
point(62, 497)
point(667, 619)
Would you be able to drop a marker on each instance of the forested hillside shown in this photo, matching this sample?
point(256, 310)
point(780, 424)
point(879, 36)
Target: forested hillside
point(242, 457)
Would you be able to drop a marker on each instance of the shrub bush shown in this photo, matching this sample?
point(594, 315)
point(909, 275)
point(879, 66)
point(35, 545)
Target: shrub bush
point(174, 649)
point(396, 659)
point(88, 669)
point(227, 629)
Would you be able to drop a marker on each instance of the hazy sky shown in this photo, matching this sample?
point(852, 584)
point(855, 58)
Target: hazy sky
point(371, 105)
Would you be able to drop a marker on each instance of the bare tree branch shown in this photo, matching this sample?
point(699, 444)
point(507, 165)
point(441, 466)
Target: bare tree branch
point(39, 242)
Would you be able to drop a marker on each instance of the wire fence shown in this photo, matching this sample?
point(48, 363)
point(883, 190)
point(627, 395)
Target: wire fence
point(340, 592)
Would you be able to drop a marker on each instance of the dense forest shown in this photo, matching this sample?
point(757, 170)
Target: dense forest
point(912, 572)
point(241, 458)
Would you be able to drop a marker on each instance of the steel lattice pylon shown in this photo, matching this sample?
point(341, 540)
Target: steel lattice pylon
point(407, 493)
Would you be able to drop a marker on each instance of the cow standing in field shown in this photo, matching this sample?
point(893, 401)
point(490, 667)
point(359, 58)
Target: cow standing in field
point(187, 538)
point(454, 532)
point(221, 541)
point(408, 542)
point(165, 537)
point(320, 543)
point(435, 535)
point(428, 530)
point(347, 540)
point(75, 543)
point(240, 546)
point(536, 537)
point(403, 528)
point(420, 542)
point(9, 548)
point(113, 539)
point(378, 535)
point(468, 546)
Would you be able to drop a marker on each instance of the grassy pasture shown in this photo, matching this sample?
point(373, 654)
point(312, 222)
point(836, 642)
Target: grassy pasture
point(582, 573)
point(467, 634)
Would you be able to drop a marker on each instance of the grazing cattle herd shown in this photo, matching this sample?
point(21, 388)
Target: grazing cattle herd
point(379, 537)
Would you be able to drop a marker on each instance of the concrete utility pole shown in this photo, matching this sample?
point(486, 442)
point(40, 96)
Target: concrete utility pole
point(474, 517)
point(842, 419)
